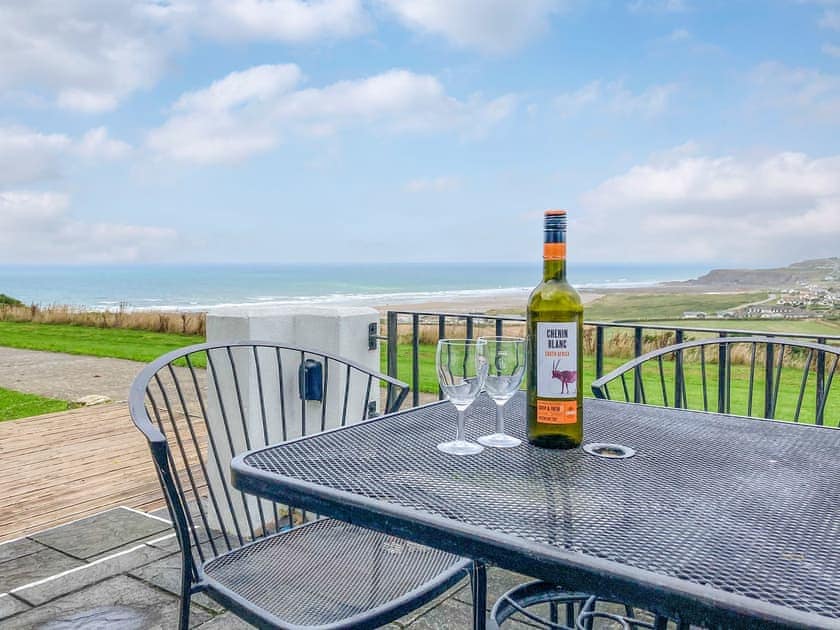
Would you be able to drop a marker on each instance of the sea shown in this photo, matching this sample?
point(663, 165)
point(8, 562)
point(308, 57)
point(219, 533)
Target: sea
point(200, 287)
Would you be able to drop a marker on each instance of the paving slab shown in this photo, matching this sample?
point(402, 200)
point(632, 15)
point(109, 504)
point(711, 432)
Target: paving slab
point(499, 582)
point(100, 533)
point(453, 613)
point(445, 616)
point(161, 513)
point(10, 605)
point(34, 566)
point(155, 540)
point(139, 588)
point(62, 584)
point(120, 602)
point(18, 548)
point(166, 574)
point(422, 610)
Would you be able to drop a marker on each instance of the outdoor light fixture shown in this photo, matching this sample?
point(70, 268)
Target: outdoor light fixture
point(311, 380)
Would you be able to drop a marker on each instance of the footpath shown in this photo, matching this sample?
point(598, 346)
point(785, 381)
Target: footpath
point(66, 376)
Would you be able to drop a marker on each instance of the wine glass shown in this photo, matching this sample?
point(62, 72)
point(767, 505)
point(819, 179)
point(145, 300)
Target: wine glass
point(506, 363)
point(462, 368)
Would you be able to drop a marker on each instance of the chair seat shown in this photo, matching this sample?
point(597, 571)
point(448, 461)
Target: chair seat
point(327, 572)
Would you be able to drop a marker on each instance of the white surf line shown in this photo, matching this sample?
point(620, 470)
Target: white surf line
point(87, 565)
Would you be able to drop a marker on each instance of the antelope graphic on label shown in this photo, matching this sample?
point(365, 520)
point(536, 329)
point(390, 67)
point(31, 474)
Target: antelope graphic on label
point(564, 376)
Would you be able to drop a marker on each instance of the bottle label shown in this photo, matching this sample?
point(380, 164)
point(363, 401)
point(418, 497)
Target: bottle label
point(557, 360)
point(554, 251)
point(557, 411)
point(557, 376)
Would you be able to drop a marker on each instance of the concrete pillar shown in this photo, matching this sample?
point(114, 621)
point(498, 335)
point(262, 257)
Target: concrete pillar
point(342, 331)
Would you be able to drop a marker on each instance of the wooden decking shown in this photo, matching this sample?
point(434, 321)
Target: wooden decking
point(64, 466)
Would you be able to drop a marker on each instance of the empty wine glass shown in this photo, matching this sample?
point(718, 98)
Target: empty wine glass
point(461, 368)
point(506, 367)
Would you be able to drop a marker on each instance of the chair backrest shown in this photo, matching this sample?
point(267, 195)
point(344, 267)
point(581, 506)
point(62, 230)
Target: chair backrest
point(204, 404)
point(770, 377)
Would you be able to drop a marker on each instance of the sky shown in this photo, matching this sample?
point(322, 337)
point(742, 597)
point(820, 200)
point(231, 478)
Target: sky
point(214, 131)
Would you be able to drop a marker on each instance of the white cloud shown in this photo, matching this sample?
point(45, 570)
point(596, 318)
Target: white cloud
point(245, 112)
point(689, 207)
point(678, 35)
point(229, 120)
point(686, 39)
point(88, 102)
point(96, 144)
point(37, 227)
point(260, 83)
point(281, 20)
point(433, 184)
point(615, 98)
point(811, 94)
point(489, 25)
point(88, 53)
point(831, 50)
point(830, 19)
point(29, 156)
point(657, 6)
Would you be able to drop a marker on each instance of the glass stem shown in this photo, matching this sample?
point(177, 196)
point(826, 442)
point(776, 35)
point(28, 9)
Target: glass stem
point(460, 437)
point(500, 417)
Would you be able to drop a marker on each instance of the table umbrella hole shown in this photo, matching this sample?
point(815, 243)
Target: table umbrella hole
point(609, 451)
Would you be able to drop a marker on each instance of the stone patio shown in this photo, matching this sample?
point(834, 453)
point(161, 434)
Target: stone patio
point(121, 569)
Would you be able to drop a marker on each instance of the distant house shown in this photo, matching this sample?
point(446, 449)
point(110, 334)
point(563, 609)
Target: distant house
point(774, 311)
point(694, 315)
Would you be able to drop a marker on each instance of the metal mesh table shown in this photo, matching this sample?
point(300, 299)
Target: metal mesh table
point(718, 520)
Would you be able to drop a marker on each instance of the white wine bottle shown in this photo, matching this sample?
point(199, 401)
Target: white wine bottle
point(555, 348)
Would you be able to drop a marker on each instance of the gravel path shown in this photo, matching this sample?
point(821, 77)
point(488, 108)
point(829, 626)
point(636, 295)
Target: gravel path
point(65, 376)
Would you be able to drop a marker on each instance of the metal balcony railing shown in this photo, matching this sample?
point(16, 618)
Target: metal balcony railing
point(399, 323)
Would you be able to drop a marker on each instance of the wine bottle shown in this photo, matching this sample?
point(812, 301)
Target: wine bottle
point(555, 348)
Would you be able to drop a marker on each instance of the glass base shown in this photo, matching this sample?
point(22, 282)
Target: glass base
point(460, 447)
point(499, 440)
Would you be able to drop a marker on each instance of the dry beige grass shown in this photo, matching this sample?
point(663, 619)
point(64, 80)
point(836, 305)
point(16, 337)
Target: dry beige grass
point(155, 321)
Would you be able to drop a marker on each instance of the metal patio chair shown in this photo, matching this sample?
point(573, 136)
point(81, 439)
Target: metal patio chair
point(698, 375)
point(273, 565)
point(703, 380)
point(570, 610)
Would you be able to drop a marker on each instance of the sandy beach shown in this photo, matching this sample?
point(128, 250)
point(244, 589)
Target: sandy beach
point(483, 304)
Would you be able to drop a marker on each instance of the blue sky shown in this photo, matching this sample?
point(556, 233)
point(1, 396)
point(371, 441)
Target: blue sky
point(407, 130)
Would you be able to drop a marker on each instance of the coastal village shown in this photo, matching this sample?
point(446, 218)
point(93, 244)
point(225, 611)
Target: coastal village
point(806, 298)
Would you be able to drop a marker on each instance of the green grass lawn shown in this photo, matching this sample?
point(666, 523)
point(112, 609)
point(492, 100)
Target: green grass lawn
point(789, 385)
point(19, 405)
point(136, 345)
point(631, 306)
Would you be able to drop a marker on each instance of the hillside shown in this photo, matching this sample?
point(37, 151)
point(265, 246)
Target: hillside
point(823, 272)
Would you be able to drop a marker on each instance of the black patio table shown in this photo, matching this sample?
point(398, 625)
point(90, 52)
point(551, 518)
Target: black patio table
point(718, 520)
